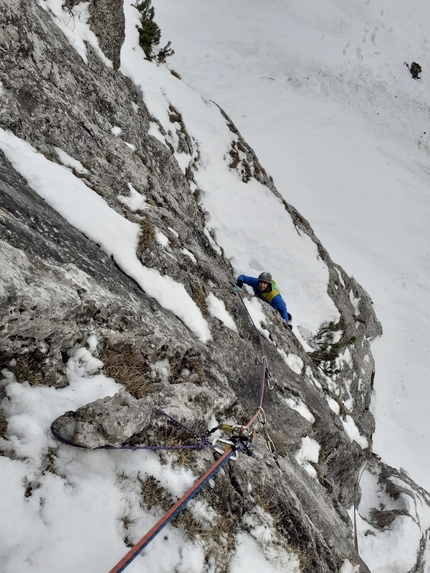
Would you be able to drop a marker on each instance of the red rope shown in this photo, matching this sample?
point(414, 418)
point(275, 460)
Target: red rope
point(176, 508)
point(146, 539)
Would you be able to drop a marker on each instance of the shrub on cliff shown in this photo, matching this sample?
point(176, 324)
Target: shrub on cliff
point(150, 34)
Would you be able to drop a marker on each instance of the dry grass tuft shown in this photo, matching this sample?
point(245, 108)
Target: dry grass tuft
point(48, 460)
point(121, 480)
point(178, 458)
point(269, 504)
point(174, 241)
point(279, 441)
point(235, 160)
point(246, 173)
point(199, 298)
point(123, 363)
point(3, 426)
point(240, 164)
point(49, 463)
point(26, 370)
point(172, 435)
point(128, 542)
point(153, 494)
point(189, 176)
point(176, 117)
point(126, 522)
point(227, 303)
point(218, 541)
point(147, 235)
point(217, 538)
point(190, 360)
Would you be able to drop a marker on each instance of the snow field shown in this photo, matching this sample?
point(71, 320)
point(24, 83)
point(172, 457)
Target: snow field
point(309, 452)
point(321, 94)
point(391, 549)
point(238, 213)
point(56, 497)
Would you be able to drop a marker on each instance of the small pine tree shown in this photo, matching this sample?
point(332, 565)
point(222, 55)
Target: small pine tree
point(150, 34)
point(165, 53)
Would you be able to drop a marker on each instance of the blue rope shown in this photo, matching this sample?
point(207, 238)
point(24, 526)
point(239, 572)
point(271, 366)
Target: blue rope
point(163, 523)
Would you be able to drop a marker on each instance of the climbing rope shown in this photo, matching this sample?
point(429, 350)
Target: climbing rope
point(355, 507)
point(239, 440)
point(173, 511)
point(240, 437)
point(202, 441)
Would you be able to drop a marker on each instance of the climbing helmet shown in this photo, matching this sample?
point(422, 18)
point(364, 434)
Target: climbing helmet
point(265, 278)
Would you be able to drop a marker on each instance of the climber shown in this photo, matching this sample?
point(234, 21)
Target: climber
point(265, 288)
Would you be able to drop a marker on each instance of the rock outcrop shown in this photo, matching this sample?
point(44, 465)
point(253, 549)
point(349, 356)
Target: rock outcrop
point(58, 289)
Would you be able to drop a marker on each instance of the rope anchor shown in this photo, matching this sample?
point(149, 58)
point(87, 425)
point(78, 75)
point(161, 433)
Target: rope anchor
point(240, 437)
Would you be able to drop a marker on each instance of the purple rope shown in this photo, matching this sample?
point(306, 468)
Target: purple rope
point(203, 444)
point(179, 423)
point(195, 447)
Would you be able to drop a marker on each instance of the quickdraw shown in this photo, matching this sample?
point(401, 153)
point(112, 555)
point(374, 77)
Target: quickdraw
point(269, 442)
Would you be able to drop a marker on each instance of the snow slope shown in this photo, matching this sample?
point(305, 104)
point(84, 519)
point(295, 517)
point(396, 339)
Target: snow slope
point(324, 126)
point(320, 92)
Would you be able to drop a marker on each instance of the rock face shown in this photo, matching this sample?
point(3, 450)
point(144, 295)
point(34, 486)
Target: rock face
point(107, 22)
point(393, 504)
point(109, 421)
point(58, 289)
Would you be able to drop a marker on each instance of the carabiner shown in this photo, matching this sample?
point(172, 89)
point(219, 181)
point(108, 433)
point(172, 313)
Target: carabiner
point(222, 451)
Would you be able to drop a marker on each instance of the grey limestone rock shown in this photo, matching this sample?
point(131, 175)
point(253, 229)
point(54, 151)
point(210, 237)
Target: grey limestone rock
point(108, 23)
point(105, 422)
point(58, 288)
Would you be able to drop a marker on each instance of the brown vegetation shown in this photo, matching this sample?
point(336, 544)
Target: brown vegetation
point(126, 366)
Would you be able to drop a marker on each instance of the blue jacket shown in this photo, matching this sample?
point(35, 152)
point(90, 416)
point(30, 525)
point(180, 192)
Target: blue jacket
point(272, 296)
